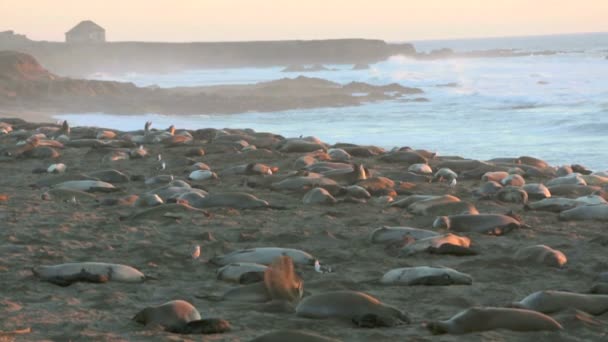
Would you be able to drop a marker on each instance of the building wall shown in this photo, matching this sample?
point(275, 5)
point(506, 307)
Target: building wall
point(86, 37)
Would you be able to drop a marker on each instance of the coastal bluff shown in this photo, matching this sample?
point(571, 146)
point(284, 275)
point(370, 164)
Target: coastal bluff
point(84, 59)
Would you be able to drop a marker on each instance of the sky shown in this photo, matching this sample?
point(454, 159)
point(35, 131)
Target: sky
point(236, 20)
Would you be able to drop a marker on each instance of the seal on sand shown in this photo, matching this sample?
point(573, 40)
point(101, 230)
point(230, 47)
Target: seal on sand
point(598, 212)
point(264, 256)
point(553, 301)
point(393, 234)
point(441, 244)
point(484, 223)
point(179, 316)
point(424, 275)
point(97, 272)
point(488, 318)
point(363, 309)
point(543, 255)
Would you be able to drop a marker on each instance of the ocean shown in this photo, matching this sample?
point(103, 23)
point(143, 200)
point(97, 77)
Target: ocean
point(553, 107)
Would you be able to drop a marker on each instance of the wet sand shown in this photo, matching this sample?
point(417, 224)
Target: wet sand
point(37, 232)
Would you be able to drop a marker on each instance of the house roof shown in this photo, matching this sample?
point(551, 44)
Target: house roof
point(86, 26)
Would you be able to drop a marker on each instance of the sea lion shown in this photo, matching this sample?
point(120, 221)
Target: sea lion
point(574, 178)
point(160, 179)
point(356, 191)
point(513, 180)
point(200, 175)
point(347, 175)
point(408, 157)
point(280, 283)
point(65, 274)
point(293, 336)
point(494, 176)
point(110, 176)
point(553, 204)
point(300, 145)
point(493, 224)
point(87, 185)
point(549, 301)
point(56, 168)
point(424, 169)
point(537, 191)
point(574, 190)
point(487, 190)
point(66, 195)
point(440, 244)
point(264, 256)
point(173, 211)
point(378, 186)
point(305, 183)
point(339, 154)
point(598, 212)
point(445, 174)
point(172, 316)
point(512, 194)
point(148, 200)
point(541, 254)
point(242, 272)
point(358, 307)
point(424, 275)
point(318, 196)
point(421, 207)
point(393, 234)
point(451, 208)
point(487, 318)
point(237, 200)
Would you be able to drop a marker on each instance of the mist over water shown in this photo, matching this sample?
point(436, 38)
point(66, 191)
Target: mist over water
point(553, 107)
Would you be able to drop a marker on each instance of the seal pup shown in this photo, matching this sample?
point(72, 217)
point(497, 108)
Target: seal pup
point(424, 275)
point(488, 318)
point(110, 176)
point(66, 274)
point(293, 336)
point(549, 301)
point(66, 195)
point(598, 212)
point(394, 234)
point(541, 254)
point(421, 207)
point(264, 256)
point(493, 224)
point(361, 308)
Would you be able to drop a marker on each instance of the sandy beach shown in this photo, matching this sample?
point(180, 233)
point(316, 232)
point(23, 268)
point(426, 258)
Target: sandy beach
point(38, 232)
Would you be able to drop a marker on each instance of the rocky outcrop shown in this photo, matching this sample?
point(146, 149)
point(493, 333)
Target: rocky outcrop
point(26, 85)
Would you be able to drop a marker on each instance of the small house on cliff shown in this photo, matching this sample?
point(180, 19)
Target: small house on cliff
point(86, 32)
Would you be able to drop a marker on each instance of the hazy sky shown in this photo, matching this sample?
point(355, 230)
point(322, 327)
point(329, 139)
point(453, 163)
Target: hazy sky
point(216, 20)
